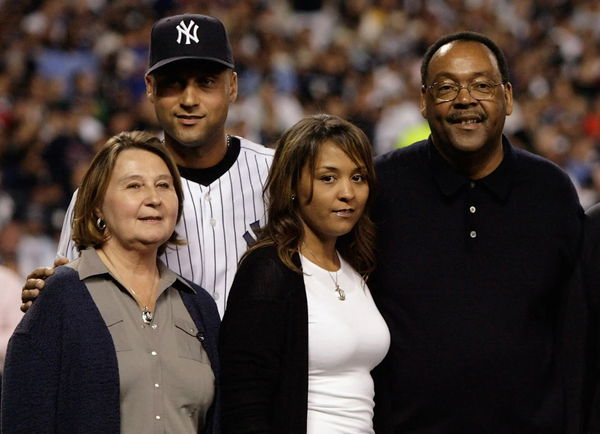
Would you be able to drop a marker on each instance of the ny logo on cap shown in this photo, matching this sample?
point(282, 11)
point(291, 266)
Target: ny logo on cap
point(183, 30)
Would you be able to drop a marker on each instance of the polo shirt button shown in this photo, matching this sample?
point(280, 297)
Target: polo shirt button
point(154, 353)
point(472, 184)
point(157, 417)
point(472, 209)
point(216, 295)
point(213, 222)
point(473, 234)
point(156, 385)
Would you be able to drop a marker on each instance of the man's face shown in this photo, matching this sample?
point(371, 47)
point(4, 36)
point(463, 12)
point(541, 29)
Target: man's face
point(191, 99)
point(465, 124)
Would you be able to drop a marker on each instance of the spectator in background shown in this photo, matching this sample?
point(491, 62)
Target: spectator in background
point(10, 293)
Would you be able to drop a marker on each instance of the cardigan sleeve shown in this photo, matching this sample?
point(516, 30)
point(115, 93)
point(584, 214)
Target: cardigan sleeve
point(252, 340)
point(32, 370)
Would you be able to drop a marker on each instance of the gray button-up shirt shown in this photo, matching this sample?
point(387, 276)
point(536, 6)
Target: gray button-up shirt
point(166, 381)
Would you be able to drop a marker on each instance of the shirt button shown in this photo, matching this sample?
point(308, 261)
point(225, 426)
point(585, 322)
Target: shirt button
point(154, 326)
point(472, 184)
point(154, 353)
point(213, 222)
point(157, 417)
point(156, 385)
point(472, 209)
point(216, 295)
point(473, 234)
point(207, 197)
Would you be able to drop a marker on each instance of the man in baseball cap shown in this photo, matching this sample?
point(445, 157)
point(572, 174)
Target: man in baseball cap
point(190, 81)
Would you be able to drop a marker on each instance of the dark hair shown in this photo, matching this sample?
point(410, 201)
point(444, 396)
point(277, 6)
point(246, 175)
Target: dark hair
point(297, 147)
point(465, 36)
point(96, 179)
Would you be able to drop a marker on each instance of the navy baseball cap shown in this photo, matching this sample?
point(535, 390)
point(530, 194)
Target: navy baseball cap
point(188, 36)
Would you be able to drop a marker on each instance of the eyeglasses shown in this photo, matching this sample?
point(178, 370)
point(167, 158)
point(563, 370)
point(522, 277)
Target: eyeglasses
point(445, 91)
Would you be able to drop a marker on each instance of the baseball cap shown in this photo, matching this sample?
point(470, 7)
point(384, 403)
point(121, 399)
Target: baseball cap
point(188, 36)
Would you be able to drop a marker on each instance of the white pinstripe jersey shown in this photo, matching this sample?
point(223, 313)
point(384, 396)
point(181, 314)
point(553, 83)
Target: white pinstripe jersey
point(218, 221)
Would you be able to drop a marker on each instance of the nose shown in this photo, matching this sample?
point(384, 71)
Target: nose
point(189, 96)
point(464, 96)
point(346, 191)
point(153, 197)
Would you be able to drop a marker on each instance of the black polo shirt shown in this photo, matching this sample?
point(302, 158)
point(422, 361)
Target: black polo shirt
point(470, 279)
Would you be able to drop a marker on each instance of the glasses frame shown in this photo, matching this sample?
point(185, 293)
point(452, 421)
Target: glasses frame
point(461, 87)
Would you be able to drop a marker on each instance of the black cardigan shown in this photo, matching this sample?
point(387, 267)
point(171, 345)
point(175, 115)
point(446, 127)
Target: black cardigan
point(61, 373)
point(264, 348)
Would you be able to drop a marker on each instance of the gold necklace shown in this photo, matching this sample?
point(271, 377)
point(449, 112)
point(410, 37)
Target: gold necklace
point(340, 292)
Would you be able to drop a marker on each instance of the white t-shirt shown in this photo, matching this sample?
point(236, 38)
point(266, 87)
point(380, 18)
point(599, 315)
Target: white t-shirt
point(346, 340)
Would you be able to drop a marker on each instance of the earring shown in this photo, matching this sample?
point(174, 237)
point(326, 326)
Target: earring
point(100, 224)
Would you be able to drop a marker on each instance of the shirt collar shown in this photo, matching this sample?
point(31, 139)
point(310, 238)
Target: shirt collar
point(450, 182)
point(90, 265)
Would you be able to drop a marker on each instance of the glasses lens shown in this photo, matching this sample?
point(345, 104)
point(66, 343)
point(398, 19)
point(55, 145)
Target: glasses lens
point(445, 91)
point(481, 90)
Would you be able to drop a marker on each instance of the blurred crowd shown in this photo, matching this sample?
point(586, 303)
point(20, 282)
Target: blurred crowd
point(71, 75)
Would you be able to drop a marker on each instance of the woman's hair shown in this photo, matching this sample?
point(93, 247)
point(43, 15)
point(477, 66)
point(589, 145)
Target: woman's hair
point(297, 147)
point(95, 182)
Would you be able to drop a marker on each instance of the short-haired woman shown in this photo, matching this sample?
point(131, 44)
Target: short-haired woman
point(117, 342)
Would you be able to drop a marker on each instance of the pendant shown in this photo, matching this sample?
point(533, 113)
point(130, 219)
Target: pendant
point(341, 293)
point(146, 316)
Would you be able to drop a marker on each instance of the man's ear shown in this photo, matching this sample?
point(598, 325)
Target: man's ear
point(149, 87)
point(508, 97)
point(233, 87)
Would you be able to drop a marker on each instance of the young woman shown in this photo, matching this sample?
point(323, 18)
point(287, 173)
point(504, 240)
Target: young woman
point(301, 332)
point(117, 342)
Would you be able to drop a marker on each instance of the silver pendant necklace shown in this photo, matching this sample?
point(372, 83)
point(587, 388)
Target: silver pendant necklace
point(340, 292)
point(146, 315)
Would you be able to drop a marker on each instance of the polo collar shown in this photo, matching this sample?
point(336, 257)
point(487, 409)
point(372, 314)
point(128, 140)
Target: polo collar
point(450, 181)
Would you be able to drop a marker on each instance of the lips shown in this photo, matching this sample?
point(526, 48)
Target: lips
point(344, 212)
point(466, 118)
point(151, 219)
point(188, 119)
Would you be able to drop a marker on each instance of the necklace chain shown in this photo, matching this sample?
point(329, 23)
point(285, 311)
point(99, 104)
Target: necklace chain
point(147, 314)
point(340, 292)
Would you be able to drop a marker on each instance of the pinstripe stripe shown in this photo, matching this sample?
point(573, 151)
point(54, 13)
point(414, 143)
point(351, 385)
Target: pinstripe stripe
point(239, 172)
point(237, 254)
point(251, 184)
point(224, 229)
point(200, 265)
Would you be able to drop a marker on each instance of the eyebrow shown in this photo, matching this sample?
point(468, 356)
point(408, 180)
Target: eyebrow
point(333, 168)
point(137, 176)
